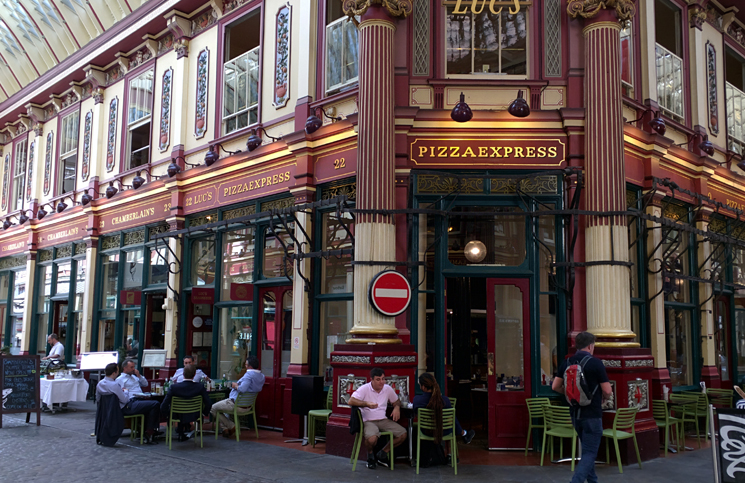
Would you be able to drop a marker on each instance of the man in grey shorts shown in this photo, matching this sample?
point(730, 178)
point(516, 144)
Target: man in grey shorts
point(372, 399)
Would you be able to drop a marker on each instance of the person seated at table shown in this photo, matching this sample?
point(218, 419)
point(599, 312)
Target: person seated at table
point(109, 422)
point(57, 351)
point(178, 376)
point(132, 383)
point(432, 398)
point(187, 388)
point(252, 381)
point(372, 399)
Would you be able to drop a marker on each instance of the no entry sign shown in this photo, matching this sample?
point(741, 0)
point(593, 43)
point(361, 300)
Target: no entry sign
point(389, 293)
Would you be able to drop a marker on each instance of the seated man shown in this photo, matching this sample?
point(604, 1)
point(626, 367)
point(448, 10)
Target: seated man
point(187, 388)
point(109, 424)
point(372, 399)
point(252, 381)
point(178, 376)
point(57, 351)
point(132, 383)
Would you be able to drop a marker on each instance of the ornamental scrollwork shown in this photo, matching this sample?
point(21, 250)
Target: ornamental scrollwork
point(278, 204)
point(625, 9)
point(640, 363)
point(394, 359)
point(638, 395)
point(351, 359)
point(395, 8)
point(347, 385)
point(64, 252)
point(239, 212)
point(611, 363)
point(12, 262)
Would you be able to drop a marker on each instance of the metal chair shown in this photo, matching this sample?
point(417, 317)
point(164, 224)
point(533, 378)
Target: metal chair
point(663, 420)
point(535, 413)
point(245, 404)
point(180, 405)
point(623, 428)
point(684, 407)
point(427, 423)
point(316, 415)
point(217, 396)
point(133, 429)
point(721, 397)
point(558, 423)
point(358, 444)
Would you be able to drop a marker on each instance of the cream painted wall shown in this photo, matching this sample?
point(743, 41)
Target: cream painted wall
point(206, 39)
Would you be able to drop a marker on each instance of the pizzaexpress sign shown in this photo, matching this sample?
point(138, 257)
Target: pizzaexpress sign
point(513, 151)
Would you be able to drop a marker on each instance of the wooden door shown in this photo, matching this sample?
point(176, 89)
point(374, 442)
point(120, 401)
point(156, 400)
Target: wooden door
point(508, 356)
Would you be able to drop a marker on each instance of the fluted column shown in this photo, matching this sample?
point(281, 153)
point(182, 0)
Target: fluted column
point(606, 238)
point(375, 234)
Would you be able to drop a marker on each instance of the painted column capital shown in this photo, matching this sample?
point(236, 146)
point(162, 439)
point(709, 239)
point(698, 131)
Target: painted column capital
point(395, 8)
point(625, 9)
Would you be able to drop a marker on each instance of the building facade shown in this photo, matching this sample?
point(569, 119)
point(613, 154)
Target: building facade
point(225, 178)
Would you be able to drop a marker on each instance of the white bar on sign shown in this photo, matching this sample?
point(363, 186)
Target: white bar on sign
point(391, 293)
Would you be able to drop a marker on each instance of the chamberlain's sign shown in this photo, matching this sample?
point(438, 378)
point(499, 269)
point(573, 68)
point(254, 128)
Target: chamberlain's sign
point(513, 151)
point(477, 6)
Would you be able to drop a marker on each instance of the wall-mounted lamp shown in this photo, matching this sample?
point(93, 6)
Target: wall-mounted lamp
point(254, 141)
point(22, 218)
point(7, 223)
point(138, 180)
point(314, 122)
point(657, 123)
point(213, 154)
point(111, 191)
point(41, 213)
point(475, 251)
point(61, 205)
point(461, 112)
point(173, 169)
point(706, 146)
point(519, 107)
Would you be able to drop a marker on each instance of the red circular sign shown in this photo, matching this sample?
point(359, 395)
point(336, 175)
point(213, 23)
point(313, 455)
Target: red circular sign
point(390, 293)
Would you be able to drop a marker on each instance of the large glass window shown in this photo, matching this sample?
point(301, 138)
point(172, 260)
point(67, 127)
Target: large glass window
point(238, 264)
point(203, 261)
point(133, 271)
point(158, 268)
point(241, 73)
point(486, 43)
point(19, 174)
point(139, 112)
point(735, 98)
point(627, 61)
point(236, 333)
point(268, 321)
point(64, 274)
point(336, 273)
point(341, 48)
point(335, 324)
point(69, 152)
point(110, 279)
point(548, 297)
point(497, 240)
point(669, 58)
point(679, 346)
point(276, 263)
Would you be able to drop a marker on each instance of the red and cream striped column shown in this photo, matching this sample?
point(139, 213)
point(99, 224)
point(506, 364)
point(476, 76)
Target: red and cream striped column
point(374, 233)
point(606, 238)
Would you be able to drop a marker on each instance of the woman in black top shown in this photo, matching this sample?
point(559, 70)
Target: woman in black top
point(432, 398)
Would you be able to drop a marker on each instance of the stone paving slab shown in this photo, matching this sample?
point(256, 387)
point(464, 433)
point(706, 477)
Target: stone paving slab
point(62, 450)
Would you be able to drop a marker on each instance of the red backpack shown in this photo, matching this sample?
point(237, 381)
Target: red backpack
point(577, 390)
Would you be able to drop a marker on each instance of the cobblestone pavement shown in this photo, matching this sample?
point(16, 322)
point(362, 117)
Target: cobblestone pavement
point(62, 450)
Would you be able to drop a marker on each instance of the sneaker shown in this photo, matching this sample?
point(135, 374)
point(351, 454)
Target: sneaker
point(371, 463)
point(468, 437)
point(383, 458)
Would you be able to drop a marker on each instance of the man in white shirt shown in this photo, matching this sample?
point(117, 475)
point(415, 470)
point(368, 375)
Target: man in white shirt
point(252, 381)
point(57, 351)
point(178, 376)
point(132, 382)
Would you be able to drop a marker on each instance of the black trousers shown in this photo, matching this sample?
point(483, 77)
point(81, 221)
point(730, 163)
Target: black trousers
point(151, 410)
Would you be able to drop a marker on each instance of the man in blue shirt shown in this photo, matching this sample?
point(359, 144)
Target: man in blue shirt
point(252, 381)
point(587, 420)
point(132, 383)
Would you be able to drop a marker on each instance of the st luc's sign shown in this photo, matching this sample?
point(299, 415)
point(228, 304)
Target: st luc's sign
point(478, 6)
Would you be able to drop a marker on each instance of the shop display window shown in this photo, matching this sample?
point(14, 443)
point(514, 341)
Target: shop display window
point(548, 299)
point(240, 76)
point(238, 264)
point(335, 323)
point(64, 274)
point(110, 279)
point(158, 268)
point(236, 334)
point(275, 263)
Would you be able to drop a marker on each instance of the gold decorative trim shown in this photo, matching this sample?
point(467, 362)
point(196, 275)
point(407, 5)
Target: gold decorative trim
point(625, 9)
point(348, 190)
point(617, 344)
point(278, 204)
point(239, 212)
point(395, 8)
point(614, 335)
point(374, 341)
point(378, 331)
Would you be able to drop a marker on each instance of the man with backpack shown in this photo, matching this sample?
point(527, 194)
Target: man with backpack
point(584, 382)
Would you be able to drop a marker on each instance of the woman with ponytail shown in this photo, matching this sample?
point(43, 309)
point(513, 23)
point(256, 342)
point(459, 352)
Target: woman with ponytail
point(432, 398)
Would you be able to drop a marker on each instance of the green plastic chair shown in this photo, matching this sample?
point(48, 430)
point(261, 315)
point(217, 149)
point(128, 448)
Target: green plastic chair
point(317, 415)
point(453, 400)
point(180, 405)
point(246, 404)
point(358, 444)
point(217, 396)
point(427, 423)
point(535, 413)
point(558, 423)
point(133, 426)
point(721, 397)
point(623, 428)
point(663, 420)
point(685, 407)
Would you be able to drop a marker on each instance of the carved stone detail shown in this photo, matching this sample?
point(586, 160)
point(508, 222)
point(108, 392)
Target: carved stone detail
point(611, 363)
point(181, 46)
point(640, 363)
point(347, 385)
point(351, 359)
point(697, 16)
point(98, 96)
point(394, 359)
point(395, 8)
point(639, 395)
point(625, 9)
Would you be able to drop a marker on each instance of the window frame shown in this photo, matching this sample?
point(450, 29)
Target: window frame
point(127, 127)
point(61, 157)
point(682, 37)
point(734, 143)
point(628, 87)
point(18, 179)
point(344, 85)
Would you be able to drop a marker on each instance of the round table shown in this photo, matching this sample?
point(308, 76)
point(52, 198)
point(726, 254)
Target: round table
point(58, 391)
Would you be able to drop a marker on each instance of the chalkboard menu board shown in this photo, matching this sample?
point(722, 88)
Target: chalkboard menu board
point(19, 379)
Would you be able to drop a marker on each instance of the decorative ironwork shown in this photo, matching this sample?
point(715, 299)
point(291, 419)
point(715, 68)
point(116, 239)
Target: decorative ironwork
point(350, 359)
point(157, 230)
point(640, 363)
point(611, 363)
point(48, 164)
point(111, 138)
point(348, 190)
point(109, 242)
point(165, 111)
point(6, 177)
point(13, 262)
point(347, 385)
point(394, 359)
point(395, 8)
point(85, 170)
point(203, 21)
point(30, 175)
point(552, 37)
point(421, 37)
point(282, 56)
point(203, 220)
point(625, 9)
point(433, 183)
point(278, 204)
point(538, 185)
point(64, 251)
point(80, 248)
point(638, 395)
point(610, 404)
point(200, 117)
point(711, 86)
point(44, 255)
point(134, 237)
point(238, 212)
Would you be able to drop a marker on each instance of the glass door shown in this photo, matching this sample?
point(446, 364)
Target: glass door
point(722, 341)
point(508, 359)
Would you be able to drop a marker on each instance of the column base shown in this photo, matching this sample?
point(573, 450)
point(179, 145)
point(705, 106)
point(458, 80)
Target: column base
point(710, 376)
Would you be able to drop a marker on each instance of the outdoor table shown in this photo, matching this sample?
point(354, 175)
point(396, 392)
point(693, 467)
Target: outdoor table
point(62, 391)
point(671, 405)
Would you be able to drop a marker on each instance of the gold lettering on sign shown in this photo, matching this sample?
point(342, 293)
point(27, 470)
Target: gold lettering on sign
point(197, 199)
point(136, 215)
point(461, 6)
point(255, 184)
point(62, 234)
point(14, 246)
point(486, 152)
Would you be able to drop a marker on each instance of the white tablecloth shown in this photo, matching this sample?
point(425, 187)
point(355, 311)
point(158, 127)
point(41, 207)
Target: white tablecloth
point(57, 391)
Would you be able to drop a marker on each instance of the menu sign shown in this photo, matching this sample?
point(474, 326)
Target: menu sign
point(133, 215)
point(513, 151)
point(337, 165)
point(57, 234)
point(19, 379)
point(13, 245)
point(241, 188)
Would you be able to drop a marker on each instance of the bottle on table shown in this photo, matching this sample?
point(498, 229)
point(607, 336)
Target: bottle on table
point(223, 382)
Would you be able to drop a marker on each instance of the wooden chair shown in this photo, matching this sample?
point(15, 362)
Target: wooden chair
point(623, 428)
point(558, 423)
point(663, 420)
point(245, 404)
point(180, 405)
point(319, 415)
point(535, 416)
point(135, 421)
point(358, 444)
point(427, 423)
